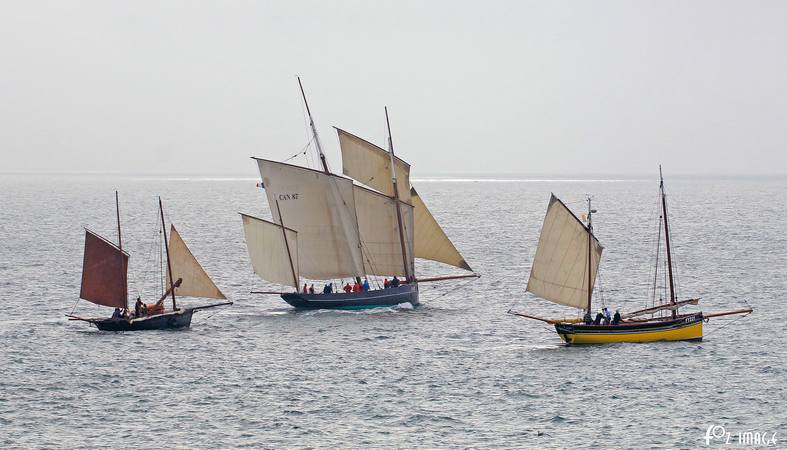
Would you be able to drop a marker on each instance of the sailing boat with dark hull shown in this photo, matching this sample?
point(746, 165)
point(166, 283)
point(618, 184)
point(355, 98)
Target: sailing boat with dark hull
point(105, 283)
point(327, 227)
point(564, 272)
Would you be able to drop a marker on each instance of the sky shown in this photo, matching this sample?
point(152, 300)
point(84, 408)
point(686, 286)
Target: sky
point(520, 87)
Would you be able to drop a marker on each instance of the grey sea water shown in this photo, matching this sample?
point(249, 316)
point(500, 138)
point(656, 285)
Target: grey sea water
point(454, 372)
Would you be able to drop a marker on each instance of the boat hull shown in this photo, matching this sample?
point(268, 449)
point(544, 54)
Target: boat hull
point(169, 320)
point(688, 328)
point(355, 300)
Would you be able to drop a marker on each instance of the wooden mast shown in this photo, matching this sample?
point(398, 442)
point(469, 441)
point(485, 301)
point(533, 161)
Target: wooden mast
point(666, 238)
point(590, 244)
point(120, 246)
point(166, 246)
point(287, 244)
point(314, 129)
point(395, 198)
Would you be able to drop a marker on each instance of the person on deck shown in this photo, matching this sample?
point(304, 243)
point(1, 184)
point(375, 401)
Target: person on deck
point(386, 284)
point(330, 288)
point(116, 314)
point(616, 318)
point(357, 287)
point(365, 284)
point(588, 318)
point(599, 318)
point(138, 308)
point(325, 289)
point(395, 282)
point(607, 317)
point(305, 289)
point(348, 288)
point(311, 289)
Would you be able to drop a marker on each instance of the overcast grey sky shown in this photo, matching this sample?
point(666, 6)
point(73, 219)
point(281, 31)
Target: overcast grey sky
point(539, 87)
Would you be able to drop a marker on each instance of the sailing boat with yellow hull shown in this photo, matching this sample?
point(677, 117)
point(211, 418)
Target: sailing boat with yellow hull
point(105, 283)
point(329, 227)
point(564, 272)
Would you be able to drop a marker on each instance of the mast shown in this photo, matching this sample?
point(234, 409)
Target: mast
point(666, 239)
point(287, 244)
point(396, 198)
point(120, 246)
point(590, 263)
point(314, 129)
point(166, 246)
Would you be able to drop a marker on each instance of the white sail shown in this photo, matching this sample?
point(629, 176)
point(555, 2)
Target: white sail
point(560, 268)
point(431, 242)
point(379, 229)
point(268, 250)
point(371, 165)
point(321, 208)
point(196, 282)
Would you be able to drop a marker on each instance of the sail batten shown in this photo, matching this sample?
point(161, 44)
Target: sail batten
point(104, 272)
point(272, 258)
point(195, 281)
point(560, 268)
point(370, 165)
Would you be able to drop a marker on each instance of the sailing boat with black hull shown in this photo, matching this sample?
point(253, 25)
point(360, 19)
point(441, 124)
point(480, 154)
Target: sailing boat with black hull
point(326, 227)
point(564, 272)
point(105, 282)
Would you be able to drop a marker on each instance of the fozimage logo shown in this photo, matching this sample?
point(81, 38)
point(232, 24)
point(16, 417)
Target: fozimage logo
point(716, 434)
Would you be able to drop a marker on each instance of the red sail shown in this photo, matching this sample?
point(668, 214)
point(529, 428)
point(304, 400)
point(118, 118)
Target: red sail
point(104, 272)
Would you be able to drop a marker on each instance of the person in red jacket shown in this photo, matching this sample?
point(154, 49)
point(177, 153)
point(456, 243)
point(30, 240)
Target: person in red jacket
point(305, 289)
point(348, 288)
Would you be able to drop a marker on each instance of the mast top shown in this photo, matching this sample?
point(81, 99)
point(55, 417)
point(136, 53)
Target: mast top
point(314, 129)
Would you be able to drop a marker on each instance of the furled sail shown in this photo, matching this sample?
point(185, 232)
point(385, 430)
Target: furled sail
point(104, 272)
point(379, 229)
point(196, 282)
point(431, 242)
point(560, 268)
point(321, 208)
point(369, 164)
point(268, 250)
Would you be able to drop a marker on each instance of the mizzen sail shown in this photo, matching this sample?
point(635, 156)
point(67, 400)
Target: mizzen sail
point(104, 272)
point(370, 165)
point(321, 208)
point(196, 282)
point(273, 259)
point(431, 242)
point(379, 231)
point(560, 269)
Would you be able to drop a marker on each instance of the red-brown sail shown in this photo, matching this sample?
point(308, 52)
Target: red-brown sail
point(104, 272)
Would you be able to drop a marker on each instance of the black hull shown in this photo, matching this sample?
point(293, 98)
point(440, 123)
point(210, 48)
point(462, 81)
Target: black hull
point(169, 320)
point(355, 300)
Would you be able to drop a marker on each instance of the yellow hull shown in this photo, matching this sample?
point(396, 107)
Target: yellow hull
point(685, 329)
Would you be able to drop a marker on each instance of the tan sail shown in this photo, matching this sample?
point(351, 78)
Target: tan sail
point(268, 251)
point(431, 242)
point(560, 269)
point(371, 165)
point(379, 231)
point(195, 281)
point(104, 272)
point(321, 208)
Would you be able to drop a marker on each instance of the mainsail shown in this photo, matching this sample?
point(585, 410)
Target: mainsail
point(196, 282)
point(104, 272)
point(431, 242)
point(560, 268)
point(379, 232)
point(370, 165)
point(270, 256)
point(321, 208)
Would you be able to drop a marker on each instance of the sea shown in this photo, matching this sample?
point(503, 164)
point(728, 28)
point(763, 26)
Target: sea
point(457, 371)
